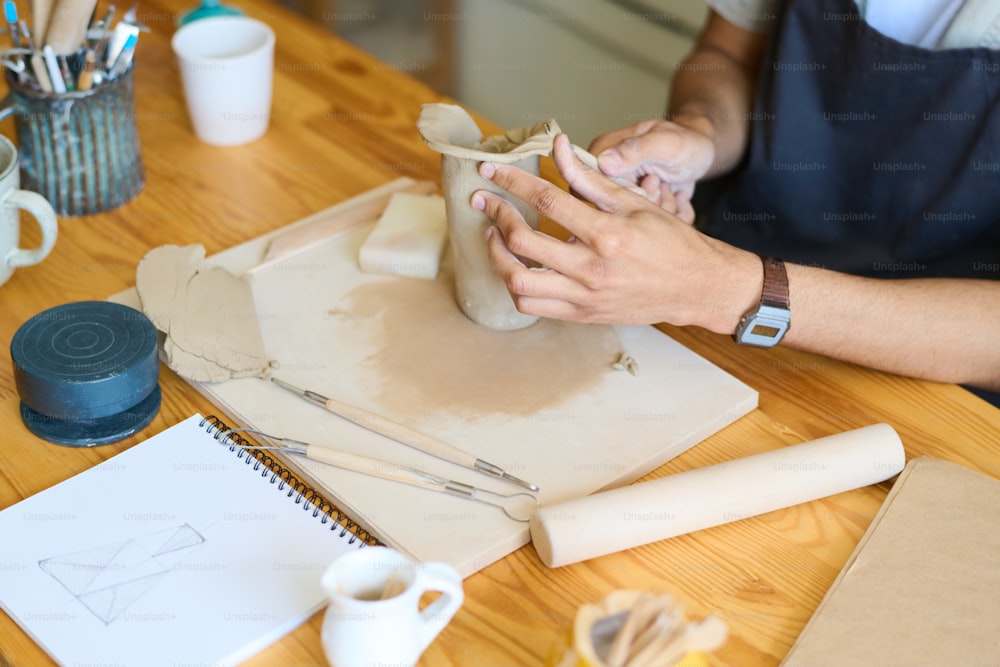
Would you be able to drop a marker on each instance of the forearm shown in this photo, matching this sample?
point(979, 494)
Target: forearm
point(937, 329)
point(715, 105)
point(713, 89)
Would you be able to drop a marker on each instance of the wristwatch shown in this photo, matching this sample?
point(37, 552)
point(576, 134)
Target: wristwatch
point(766, 324)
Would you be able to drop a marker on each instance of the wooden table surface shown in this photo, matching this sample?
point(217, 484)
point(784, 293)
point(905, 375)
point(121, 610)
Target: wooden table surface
point(343, 123)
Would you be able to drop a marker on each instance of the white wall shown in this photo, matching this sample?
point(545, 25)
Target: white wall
point(593, 65)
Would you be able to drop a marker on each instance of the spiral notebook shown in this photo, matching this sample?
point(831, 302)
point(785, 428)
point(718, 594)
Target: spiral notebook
point(180, 550)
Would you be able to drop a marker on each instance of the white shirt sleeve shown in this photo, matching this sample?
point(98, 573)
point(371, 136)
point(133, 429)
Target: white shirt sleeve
point(752, 15)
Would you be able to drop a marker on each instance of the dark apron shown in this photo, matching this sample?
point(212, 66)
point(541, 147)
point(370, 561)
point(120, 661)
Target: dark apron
point(866, 155)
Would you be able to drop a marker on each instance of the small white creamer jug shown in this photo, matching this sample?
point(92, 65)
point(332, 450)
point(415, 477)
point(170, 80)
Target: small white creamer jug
point(374, 616)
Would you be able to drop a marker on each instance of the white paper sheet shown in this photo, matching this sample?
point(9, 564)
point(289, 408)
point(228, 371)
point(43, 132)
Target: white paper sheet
point(172, 552)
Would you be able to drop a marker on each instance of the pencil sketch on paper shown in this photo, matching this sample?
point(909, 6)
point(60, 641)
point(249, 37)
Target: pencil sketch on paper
point(109, 578)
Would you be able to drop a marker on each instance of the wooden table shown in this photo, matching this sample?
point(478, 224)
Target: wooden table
point(344, 123)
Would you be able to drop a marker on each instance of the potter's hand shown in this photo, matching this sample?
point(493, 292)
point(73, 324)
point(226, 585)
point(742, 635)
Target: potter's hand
point(657, 153)
point(629, 261)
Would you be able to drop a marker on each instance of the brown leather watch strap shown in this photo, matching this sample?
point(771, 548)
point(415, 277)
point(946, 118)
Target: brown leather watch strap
point(775, 291)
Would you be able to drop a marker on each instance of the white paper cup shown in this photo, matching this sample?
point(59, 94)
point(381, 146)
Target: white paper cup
point(227, 67)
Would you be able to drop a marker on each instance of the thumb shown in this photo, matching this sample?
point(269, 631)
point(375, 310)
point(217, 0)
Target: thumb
point(626, 157)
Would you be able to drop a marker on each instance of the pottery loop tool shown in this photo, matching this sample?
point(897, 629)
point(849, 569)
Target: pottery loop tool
point(11, 59)
point(517, 506)
point(405, 435)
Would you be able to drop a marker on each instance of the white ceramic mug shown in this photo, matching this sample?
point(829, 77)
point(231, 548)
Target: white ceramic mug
point(12, 200)
point(227, 69)
point(362, 630)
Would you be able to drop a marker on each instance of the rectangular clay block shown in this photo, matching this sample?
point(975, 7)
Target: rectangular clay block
point(408, 238)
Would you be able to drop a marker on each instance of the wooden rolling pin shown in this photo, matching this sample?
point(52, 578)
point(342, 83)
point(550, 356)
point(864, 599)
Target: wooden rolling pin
point(650, 511)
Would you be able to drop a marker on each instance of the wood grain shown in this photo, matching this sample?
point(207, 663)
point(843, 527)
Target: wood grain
point(343, 123)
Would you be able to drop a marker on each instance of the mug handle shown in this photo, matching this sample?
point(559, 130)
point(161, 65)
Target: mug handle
point(443, 578)
point(45, 216)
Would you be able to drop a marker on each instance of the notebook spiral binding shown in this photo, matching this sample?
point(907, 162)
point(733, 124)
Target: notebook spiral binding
point(309, 498)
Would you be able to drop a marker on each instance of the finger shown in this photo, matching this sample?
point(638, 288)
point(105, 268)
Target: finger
point(521, 281)
point(684, 189)
point(591, 163)
point(520, 239)
point(685, 211)
point(615, 137)
point(556, 309)
point(591, 185)
point(653, 187)
point(628, 155)
point(548, 200)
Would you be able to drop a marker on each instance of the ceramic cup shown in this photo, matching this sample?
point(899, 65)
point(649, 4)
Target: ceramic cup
point(12, 200)
point(227, 67)
point(79, 150)
point(360, 629)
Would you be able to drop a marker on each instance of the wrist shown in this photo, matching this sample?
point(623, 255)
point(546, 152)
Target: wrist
point(737, 289)
point(766, 324)
point(698, 119)
point(694, 118)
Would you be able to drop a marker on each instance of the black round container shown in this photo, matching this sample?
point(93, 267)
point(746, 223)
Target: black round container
point(86, 373)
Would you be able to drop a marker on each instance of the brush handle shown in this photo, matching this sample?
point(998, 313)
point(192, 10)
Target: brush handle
point(400, 433)
point(370, 466)
point(68, 26)
point(41, 10)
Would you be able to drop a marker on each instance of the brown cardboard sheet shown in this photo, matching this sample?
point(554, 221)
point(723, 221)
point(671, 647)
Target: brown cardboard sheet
point(923, 585)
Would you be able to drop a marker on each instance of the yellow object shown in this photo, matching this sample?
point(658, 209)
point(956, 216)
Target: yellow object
point(577, 647)
point(563, 655)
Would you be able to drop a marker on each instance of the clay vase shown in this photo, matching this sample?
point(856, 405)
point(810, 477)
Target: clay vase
point(480, 292)
point(448, 129)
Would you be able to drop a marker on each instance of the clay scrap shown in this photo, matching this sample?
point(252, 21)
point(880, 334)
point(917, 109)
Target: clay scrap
point(206, 313)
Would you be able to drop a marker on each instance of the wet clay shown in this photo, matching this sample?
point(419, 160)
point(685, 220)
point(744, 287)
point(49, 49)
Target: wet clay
point(451, 131)
point(431, 359)
point(207, 314)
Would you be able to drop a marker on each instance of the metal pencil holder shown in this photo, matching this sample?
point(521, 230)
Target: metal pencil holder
point(79, 150)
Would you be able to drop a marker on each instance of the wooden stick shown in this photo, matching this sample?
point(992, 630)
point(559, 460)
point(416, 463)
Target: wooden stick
point(638, 619)
point(68, 26)
point(400, 433)
point(40, 12)
point(666, 624)
point(374, 467)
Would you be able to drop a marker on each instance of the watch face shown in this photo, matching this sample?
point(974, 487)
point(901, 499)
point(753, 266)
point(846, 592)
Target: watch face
point(760, 329)
point(763, 327)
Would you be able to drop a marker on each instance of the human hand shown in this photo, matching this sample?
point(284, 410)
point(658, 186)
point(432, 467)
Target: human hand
point(628, 261)
point(656, 154)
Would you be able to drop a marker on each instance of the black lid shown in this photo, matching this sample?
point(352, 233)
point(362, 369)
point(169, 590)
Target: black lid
point(84, 361)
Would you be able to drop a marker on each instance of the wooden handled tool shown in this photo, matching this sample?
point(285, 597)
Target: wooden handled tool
point(517, 506)
point(67, 28)
point(41, 10)
point(405, 435)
